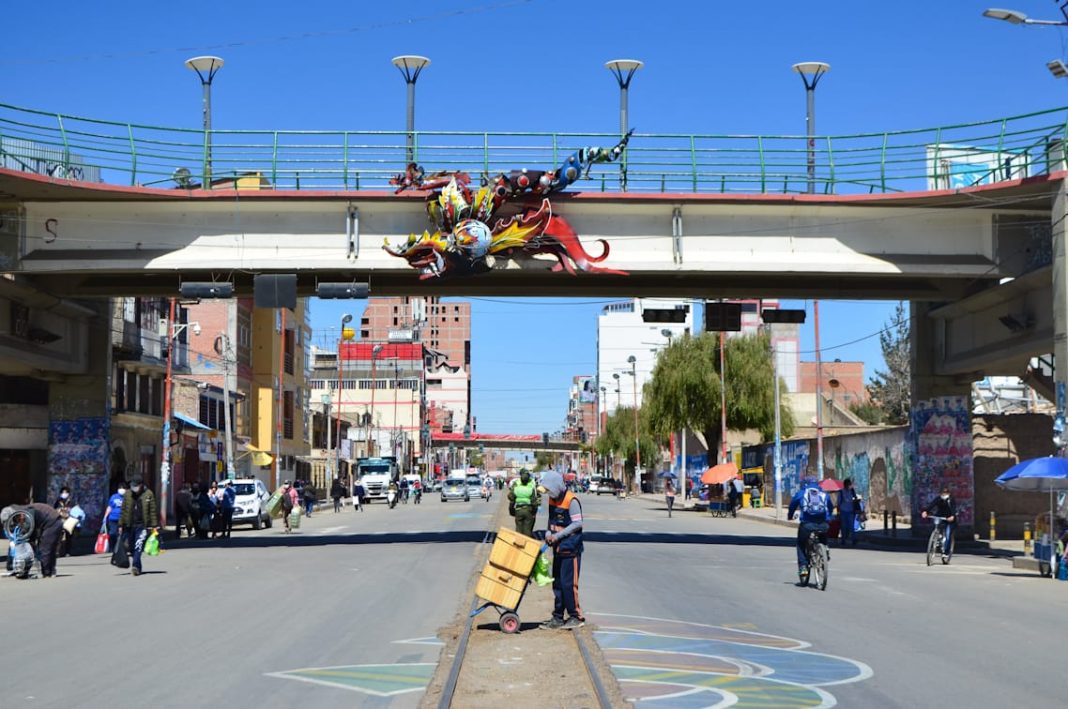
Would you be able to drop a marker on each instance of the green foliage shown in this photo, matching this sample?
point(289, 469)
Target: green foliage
point(618, 437)
point(685, 388)
point(868, 412)
point(476, 458)
point(542, 460)
point(891, 390)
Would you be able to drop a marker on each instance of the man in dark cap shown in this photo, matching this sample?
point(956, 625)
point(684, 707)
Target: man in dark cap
point(47, 532)
point(139, 516)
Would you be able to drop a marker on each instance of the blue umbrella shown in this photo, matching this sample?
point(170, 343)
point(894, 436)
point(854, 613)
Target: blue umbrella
point(667, 474)
point(1038, 475)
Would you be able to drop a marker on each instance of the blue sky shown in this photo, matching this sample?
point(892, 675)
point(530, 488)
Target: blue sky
point(711, 66)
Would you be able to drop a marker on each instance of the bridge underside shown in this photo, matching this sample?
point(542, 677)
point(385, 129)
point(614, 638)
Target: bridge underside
point(73, 239)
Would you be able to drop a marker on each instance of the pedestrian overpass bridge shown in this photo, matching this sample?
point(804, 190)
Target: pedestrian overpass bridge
point(965, 221)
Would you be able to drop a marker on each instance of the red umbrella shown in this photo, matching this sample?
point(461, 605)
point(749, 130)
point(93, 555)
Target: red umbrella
point(719, 474)
point(831, 485)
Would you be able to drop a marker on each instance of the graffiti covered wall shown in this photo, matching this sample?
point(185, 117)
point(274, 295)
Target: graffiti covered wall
point(941, 434)
point(878, 464)
point(78, 458)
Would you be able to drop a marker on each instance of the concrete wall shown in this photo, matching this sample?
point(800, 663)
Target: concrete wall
point(1001, 441)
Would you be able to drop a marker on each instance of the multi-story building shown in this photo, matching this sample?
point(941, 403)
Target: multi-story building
point(634, 328)
point(381, 398)
point(581, 422)
point(444, 330)
point(279, 399)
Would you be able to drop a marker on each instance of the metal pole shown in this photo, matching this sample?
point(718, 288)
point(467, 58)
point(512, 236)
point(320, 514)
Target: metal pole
point(683, 467)
point(394, 434)
point(227, 422)
point(371, 426)
point(637, 436)
point(337, 411)
point(326, 411)
point(810, 122)
point(819, 393)
point(723, 395)
point(411, 121)
point(165, 453)
point(207, 133)
point(778, 424)
point(278, 399)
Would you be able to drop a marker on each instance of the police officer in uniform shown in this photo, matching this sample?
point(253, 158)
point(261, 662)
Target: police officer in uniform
point(525, 499)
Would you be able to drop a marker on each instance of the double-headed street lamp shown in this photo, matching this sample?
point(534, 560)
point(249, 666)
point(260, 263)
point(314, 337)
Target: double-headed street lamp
point(344, 336)
point(810, 74)
point(206, 67)
point(410, 67)
point(374, 385)
point(633, 361)
point(1018, 18)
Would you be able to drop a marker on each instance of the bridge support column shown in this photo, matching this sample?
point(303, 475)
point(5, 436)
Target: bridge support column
point(1060, 305)
point(940, 433)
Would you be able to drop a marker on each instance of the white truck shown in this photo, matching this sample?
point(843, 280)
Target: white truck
point(376, 474)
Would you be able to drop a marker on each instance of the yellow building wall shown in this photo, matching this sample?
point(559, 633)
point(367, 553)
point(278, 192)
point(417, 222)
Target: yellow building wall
point(266, 348)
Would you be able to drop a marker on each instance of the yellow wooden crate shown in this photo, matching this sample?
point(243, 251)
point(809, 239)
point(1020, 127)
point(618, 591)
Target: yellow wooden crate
point(500, 586)
point(514, 552)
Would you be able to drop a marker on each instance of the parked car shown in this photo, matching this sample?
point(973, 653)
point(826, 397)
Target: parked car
point(435, 486)
point(455, 489)
point(474, 486)
point(250, 504)
point(602, 484)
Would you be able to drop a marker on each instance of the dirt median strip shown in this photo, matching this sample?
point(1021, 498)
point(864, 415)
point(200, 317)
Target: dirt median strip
point(532, 668)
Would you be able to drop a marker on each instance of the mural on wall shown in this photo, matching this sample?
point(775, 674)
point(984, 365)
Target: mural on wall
point(78, 455)
point(941, 437)
point(878, 464)
point(795, 456)
point(474, 230)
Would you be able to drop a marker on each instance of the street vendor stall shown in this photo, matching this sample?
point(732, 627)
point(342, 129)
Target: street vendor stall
point(1040, 475)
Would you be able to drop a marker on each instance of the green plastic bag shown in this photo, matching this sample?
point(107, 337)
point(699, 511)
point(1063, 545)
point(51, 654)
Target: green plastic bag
point(543, 572)
point(152, 545)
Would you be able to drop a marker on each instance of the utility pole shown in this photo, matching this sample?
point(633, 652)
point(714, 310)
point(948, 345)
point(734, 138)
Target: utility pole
point(165, 453)
point(228, 423)
point(279, 397)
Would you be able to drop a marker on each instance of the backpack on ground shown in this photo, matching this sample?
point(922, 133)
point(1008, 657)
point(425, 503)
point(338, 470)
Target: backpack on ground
point(813, 503)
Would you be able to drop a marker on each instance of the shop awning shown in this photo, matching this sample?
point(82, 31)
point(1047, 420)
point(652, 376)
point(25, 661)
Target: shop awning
point(259, 457)
point(191, 421)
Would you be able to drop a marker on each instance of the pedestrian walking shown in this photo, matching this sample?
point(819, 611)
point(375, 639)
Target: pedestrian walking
point(203, 511)
point(358, 494)
point(669, 495)
point(139, 517)
point(524, 499)
point(337, 491)
point(63, 505)
point(310, 498)
point(183, 511)
point(229, 499)
point(565, 538)
point(289, 501)
point(47, 531)
point(112, 514)
point(848, 508)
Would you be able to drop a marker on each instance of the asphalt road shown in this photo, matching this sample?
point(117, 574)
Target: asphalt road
point(691, 611)
point(209, 621)
point(974, 633)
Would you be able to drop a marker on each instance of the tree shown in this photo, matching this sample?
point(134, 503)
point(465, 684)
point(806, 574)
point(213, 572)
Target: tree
point(891, 390)
point(685, 388)
point(542, 460)
point(618, 438)
point(868, 412)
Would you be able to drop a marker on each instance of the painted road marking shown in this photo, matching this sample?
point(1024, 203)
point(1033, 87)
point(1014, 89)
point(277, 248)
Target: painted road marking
point(678, 665)
point(376, 680)
point(428, 640)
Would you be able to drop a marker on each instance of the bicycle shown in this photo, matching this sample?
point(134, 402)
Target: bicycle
point(19, 529)
point(819, 560)
point(936, 543)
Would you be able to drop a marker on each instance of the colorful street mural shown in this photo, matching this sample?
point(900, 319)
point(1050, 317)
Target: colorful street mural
point(465, 243)
point(78, 457)
point(678, 665)
point(941, 432)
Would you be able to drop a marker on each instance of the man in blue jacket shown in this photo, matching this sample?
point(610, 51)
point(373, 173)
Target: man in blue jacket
point(816, 514)
point(565, 538)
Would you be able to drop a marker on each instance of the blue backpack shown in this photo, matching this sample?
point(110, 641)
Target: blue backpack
point(814, 503)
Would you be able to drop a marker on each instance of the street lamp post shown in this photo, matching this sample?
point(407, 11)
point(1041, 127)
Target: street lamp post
point(623, 70)
point(224, 343)
point(637, 438)
point(374, 385)
point(601, 416)
point(810, 74)
point(345, 320)
point(819, 392)
point(410, 67)
point(1018, 18)
point(206, 67)
point(172, 333)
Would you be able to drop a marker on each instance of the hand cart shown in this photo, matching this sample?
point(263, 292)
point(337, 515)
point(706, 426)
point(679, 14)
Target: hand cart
point(505, 579)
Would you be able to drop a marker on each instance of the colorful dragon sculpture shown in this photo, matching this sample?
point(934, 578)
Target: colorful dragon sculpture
point(464, 242)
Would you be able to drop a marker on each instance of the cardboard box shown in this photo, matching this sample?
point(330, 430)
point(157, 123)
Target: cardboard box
point(514, 552)
point(500, 586)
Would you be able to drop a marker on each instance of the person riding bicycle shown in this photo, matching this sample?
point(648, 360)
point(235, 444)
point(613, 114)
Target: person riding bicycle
point(944, 506)
point(816, 513)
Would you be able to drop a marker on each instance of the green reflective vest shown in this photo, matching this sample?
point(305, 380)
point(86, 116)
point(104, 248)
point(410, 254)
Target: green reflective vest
point(524, 494)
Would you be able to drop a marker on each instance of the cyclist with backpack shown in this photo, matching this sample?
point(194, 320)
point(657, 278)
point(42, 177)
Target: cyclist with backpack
point(816, 514)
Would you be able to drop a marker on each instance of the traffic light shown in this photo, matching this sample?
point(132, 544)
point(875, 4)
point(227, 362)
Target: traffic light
point(723, 317)
point(780, 315)
point(674, 315)
point(545, 439)
point(467, 430)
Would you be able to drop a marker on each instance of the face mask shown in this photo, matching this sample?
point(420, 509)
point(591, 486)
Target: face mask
point(136, 488)
point(63, 495)
point(122, 491)
point(945, 497)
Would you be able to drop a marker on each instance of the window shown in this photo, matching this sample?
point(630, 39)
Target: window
point(143, 394)
point(157, 397)
point(287, 415)
point(288, 341)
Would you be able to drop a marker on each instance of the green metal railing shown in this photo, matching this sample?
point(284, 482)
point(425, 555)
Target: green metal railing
point(71, 147)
